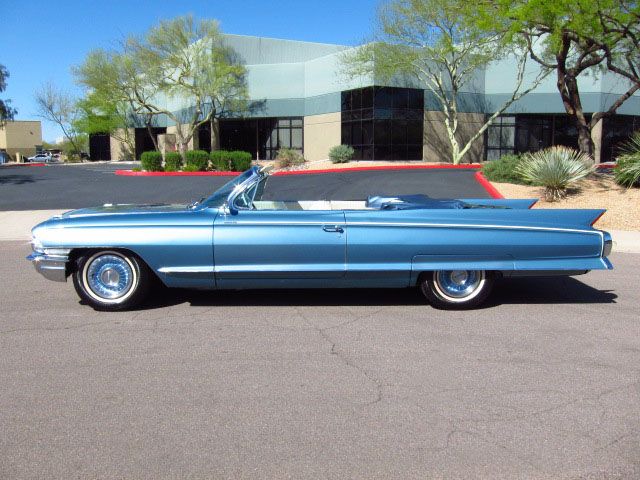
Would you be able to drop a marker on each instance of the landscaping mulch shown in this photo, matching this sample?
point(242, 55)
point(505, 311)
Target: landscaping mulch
point(600, 191)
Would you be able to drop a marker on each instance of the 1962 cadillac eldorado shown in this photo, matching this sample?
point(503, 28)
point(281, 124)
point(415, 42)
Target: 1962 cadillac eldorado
point(453, 250)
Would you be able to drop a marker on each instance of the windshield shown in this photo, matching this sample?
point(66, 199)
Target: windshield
point(220, 196)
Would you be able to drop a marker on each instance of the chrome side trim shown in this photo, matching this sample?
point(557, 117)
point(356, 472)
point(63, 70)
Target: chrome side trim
point(51, 267)
point(424, 225)
point(178, 270)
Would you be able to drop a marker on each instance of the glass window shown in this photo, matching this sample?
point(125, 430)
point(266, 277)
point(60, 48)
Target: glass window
point(367, 97)
point(284, 136)
point(367, 132)
point(383, 123)
point(415, 99)
point(400, 98)
point(356, 99)
point(382, 132)
point(356, 133)
point(346, 101)
point(383, 97)
point(296, 138)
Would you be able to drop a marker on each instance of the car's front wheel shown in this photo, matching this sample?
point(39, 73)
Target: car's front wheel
point(111, 280)
point(456, 289)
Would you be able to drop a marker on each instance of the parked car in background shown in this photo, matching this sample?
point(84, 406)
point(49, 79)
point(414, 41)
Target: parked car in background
point(452, 250)
point(41, 157)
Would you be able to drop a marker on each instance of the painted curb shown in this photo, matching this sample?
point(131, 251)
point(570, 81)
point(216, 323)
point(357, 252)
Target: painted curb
point(491, 190)
point(5, 165)
point(131, 173)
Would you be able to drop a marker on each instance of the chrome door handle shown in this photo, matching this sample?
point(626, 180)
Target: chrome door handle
point(333, 228)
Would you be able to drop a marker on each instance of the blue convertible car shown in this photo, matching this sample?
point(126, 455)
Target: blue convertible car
point(453, 250)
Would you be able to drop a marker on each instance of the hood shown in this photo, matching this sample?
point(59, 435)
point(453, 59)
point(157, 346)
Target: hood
point(119, 209)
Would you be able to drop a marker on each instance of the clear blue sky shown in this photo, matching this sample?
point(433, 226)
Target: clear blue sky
point(41, 39)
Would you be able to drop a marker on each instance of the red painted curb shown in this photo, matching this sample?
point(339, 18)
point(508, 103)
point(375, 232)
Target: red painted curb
point(491, 190)
point(131, 173)
point(606, 165)
point(4, 165)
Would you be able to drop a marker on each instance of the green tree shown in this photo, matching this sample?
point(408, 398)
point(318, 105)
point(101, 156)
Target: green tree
point(59, 107)
point(574, 38)
point(6, 111)
point(427, 40)
point(181, 69)
point(98, 114)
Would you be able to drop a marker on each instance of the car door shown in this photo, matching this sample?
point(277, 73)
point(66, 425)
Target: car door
point(279, 248)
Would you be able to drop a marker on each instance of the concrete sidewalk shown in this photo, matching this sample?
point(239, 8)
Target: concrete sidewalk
point(17, 226)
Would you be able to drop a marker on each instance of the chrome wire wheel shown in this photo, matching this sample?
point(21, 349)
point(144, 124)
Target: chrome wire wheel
point(458, 285)
point(109, 277)
point(457, 289)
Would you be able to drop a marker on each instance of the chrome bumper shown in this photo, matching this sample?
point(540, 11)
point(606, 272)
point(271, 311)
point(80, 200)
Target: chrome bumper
point(51, 267)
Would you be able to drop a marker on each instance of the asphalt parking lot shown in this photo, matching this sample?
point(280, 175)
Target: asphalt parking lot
point(77, 186)
point(543, 383)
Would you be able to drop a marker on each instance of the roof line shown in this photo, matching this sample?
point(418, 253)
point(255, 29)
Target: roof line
point(287, 40)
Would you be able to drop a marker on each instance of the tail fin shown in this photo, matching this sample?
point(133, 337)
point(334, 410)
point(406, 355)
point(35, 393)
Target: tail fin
point(516, 204)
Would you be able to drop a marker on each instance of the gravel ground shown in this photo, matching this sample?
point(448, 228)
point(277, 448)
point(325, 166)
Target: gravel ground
point(623, 212)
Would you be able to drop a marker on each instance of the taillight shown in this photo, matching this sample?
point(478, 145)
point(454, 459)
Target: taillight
point(598, 218)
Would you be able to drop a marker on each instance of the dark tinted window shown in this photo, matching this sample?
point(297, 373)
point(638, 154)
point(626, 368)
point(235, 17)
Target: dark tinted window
point(383, 123)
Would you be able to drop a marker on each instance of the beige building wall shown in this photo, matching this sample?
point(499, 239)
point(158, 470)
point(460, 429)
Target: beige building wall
point(193, 143)
point(436, 146)
point(119, 149)
point(321, 132)
point(20, 136)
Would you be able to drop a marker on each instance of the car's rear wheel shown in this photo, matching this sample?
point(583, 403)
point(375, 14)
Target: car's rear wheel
point(456, 289)
point(111, 280)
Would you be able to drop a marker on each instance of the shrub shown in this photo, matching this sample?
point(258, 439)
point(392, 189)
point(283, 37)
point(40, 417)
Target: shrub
point(190, 167)
point(198, 159)
point(151, 161)
point(627, 170)
point(289, 157)
point(240, 160)
point(220, 160)
point(504, 170)
point(341, 153)
point(556, 169)
point(224, 160)
point(172, 162)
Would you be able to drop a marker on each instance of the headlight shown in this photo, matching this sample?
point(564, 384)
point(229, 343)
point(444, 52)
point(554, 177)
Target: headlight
point(36, 245)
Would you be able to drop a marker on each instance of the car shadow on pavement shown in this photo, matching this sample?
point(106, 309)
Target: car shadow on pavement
point(547, 290)
point(16, 179)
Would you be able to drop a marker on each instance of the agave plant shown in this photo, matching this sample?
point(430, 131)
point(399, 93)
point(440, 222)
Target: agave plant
point(556, 168)
point(627, 171)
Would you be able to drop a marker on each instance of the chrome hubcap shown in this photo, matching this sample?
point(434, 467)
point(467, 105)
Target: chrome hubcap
point(109, 276)
point(458, 283)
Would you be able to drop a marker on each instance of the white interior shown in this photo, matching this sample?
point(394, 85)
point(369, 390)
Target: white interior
point(312, 205)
